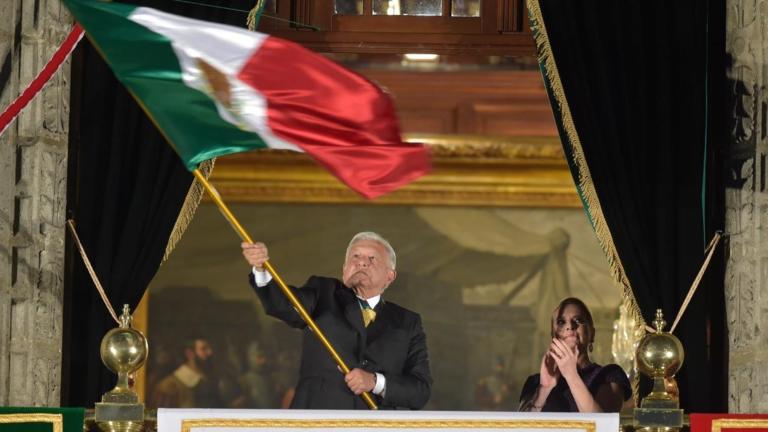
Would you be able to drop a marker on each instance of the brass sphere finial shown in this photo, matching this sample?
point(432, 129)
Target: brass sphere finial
point(660, 354)
point(124, 349)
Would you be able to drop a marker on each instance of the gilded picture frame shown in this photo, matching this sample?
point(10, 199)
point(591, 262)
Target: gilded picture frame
point(468, 170)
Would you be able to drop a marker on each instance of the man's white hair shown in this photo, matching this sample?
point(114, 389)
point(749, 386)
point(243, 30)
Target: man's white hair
point(370, 235)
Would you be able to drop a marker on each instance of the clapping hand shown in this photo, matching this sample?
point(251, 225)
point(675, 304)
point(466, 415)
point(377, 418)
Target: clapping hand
point(565, 357)
point(549, 372)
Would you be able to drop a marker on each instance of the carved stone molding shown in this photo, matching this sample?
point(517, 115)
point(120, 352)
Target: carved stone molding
point(747, 204)
point(33, 170)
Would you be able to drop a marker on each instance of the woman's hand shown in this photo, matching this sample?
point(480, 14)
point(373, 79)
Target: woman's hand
point(548, 377)
point(566, 358)
point(549, 373)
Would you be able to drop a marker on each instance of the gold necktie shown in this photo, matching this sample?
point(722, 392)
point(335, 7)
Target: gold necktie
point(369, 315)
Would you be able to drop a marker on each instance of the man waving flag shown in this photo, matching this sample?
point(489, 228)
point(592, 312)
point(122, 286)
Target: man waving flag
point(214, 90)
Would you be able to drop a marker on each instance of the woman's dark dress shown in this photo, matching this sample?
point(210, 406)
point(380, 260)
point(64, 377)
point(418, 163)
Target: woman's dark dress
point(560, 398)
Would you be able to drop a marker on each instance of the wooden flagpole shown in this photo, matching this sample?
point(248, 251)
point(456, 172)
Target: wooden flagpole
point(287, 291)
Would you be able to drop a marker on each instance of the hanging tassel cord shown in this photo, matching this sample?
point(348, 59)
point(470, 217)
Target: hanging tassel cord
point(94, 278)
point(710, 250)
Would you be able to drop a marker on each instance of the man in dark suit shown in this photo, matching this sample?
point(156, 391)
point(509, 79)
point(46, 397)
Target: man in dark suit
point(383, 343)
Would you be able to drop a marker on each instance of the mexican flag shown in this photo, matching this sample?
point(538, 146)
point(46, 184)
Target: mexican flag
point(214, 90)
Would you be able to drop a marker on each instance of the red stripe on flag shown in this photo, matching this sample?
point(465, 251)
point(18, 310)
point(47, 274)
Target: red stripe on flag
point(61, 54)
point(344, 121)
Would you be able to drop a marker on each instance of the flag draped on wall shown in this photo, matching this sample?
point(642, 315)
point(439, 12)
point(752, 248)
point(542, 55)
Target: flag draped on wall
point(215, 90)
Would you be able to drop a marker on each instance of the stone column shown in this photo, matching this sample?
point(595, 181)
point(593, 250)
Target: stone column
point(746, 282)
point(33, 168)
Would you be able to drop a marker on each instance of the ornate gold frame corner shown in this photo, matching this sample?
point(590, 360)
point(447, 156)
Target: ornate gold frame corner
point(468, 170)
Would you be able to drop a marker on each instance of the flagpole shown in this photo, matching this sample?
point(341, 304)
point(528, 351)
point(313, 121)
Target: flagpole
point(287, 291)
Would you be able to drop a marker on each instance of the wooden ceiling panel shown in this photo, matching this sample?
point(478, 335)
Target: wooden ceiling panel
point(427, 121)
point(491, 102)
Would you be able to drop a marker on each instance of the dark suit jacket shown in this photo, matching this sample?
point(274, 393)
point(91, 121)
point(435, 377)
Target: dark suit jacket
point(394, 345)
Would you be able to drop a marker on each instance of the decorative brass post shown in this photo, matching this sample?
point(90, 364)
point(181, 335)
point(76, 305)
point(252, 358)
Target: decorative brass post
point(660, 355)
point(123, 351)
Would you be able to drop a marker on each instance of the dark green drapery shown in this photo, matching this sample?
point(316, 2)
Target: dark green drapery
point(632, 85)
point(126, 189)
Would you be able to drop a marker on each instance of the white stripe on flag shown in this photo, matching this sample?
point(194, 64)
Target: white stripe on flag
point(225, 48)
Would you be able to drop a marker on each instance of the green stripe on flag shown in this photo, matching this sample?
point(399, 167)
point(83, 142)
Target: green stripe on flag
point(147, 65)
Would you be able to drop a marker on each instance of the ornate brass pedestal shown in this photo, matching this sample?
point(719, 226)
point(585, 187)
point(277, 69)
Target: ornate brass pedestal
point(123, 350)
point(660, 356)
